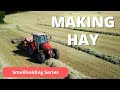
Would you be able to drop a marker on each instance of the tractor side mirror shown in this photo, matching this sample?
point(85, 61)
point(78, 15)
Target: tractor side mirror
point(49, 37)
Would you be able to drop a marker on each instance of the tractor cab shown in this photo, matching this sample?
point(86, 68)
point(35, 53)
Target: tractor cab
point(40, 39)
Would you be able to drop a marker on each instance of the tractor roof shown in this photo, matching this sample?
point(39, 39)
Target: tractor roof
point(39, 34)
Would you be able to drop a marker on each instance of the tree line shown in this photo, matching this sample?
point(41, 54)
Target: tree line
point(3, 13)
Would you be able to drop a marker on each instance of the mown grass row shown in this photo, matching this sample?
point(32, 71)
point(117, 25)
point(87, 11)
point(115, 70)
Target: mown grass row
point(18, 28)
point(1, 76)
point(94, 31)
point(72, 74)
point(109, 58)
point(85, 30)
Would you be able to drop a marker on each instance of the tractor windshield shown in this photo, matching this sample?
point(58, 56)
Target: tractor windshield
point(42, 39)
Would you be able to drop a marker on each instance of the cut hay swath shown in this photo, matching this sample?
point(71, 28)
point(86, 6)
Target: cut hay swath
point(2, 31)
point(85, 30)
point(109, 58)
point(72, 74)
point(112, 59)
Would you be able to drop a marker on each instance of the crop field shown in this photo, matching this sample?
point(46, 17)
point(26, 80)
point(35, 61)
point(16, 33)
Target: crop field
point(82, 61)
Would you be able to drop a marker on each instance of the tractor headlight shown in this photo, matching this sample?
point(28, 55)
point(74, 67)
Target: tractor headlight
point(49, 51)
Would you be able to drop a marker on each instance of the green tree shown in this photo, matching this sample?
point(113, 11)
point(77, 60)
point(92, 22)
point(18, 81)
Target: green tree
point(2, 16)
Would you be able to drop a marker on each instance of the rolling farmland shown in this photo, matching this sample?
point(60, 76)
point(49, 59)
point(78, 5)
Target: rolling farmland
point(83, 62)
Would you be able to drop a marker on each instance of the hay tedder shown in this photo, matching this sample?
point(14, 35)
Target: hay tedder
point(37, 46)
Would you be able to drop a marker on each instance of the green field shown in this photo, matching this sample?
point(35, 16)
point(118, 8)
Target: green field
point(40, 21)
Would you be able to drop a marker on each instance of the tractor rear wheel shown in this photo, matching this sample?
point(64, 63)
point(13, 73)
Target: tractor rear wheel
point(56, 53)
point(41, 57)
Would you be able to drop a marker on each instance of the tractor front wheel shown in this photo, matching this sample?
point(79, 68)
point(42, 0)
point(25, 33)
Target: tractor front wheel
point(41, 57)
point(56, 53)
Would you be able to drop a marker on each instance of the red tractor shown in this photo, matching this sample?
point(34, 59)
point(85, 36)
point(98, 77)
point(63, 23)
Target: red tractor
point(38, 46)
